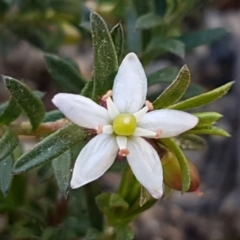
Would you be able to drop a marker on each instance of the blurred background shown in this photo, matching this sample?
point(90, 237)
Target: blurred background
point(163, 34)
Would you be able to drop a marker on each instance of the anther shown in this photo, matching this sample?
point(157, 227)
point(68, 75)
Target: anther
point(107, 95)
point(99, 129)
point(149, 105)
point(123, 152)
point(158, 133)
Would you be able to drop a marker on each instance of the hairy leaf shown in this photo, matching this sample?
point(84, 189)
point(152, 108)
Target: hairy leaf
point(25, 98)
point(64, 74)
point(203, 99)
point(8, 143)
point(175, 90)
point(51, 147)
point(105, 57)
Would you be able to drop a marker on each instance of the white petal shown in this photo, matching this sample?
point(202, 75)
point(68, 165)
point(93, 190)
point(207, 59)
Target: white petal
point(94, 160)
point(130, 85)
point(146, 165)
point(112, 109)
point(121, 142)
point(141, 132)
point(81, 110)
point(171, 122)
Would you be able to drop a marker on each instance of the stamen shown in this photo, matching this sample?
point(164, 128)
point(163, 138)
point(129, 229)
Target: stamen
point(99, 129)
point(140, 113)
point(112, 109)
point(123, 152)
point(108, 129)
point(142, 132)
point(199, 192)
point(107, 95)
point(149, 105)
point(158, 134)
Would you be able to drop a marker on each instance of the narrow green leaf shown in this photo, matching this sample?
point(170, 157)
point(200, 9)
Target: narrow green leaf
point(53, 116)
point(210, 130)
point(105, 57)
point(8, 143)
point(175, 90)
point(62, 171)
point(148, 21)
point(191, 142)
point(118, 40)
point(207, 118)
point(164, 75)
point(87, 91)
point(92, 191)
point(195, 39)
point(29, 103)
point(203, 99)
point(173, 46)
point(6, 174)
point(9, 112)
point(174, 148)
point(64, 74)
point(51, 147)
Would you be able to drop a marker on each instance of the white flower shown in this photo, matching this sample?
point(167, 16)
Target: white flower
point(121, 127)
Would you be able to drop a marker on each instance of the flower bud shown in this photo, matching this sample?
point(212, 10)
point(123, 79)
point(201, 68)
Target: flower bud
point(172, 175)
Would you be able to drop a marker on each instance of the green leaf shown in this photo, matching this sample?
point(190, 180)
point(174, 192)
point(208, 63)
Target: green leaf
point(62, 171)
point(174, 148)
point(148, 21)
point(6, 174)
point(195, 39)
point(203, 99)
point(51, 147)
point(175, 90)
point(105, 57)
point(191, 142)
point(9, 112)
point(112, 205)
point(8, 143)
point(164, 75)
point(123, 231)
point(87, 91)
point(29, 103)
point(173, 46)
point(92, 191)
point(211, 130)
point(160, 7)
point(53, 116)
point(118, 40)
point(207, 118)
point(64, 74)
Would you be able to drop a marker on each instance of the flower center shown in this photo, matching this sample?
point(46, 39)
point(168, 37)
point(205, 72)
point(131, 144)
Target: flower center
point(124, 124)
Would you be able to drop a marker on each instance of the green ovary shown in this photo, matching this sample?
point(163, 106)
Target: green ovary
point(124, 124)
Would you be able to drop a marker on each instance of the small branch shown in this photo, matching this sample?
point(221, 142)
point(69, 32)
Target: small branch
point(25, 128)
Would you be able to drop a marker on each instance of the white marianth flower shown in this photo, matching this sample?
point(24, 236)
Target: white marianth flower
point(121, 126)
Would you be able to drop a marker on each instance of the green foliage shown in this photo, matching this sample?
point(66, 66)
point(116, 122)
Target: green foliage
point(8, 143)
point(6, 174)
point(203, 99)
point(23, 96)
point(103, 48)
point(164, 75)
point(175, 90)
point(62, 171)
point(50, 148)
point(195, 39)
point(152, 30)
point(64, 74)
point(172, 145)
